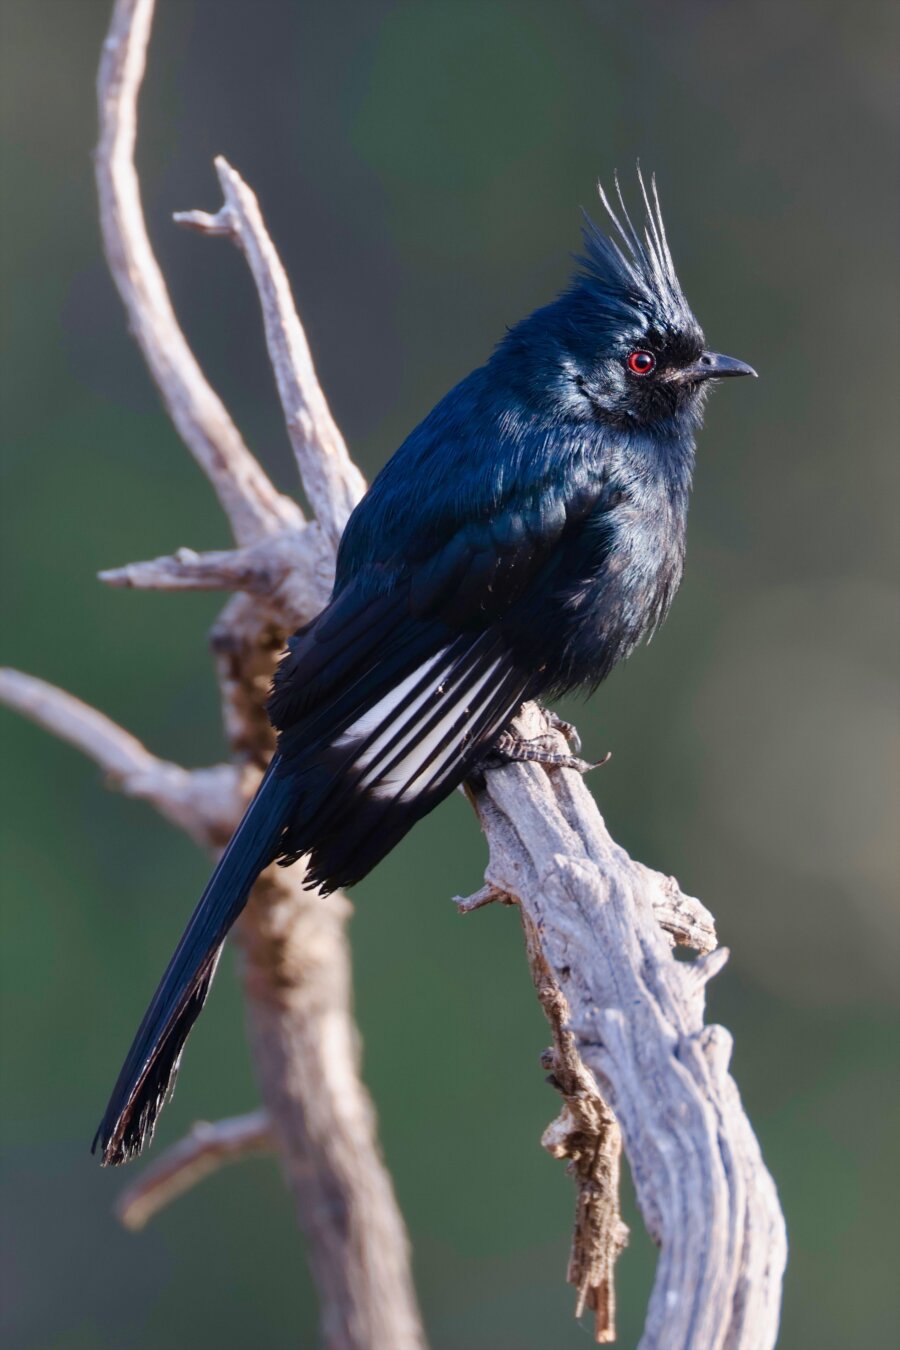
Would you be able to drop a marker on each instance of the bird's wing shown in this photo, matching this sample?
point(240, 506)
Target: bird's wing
point(388, 700)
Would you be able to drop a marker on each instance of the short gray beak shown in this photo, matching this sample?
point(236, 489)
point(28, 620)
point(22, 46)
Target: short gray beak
point(713, 366)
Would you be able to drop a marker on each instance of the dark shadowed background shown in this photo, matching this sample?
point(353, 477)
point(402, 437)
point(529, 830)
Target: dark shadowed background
point(421, 166)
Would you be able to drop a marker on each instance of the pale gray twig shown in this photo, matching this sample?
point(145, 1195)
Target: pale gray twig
point(292, 572)
point(249, 500)
point(332, 482)
point(243, 569)
point(205, 803)
point(205, 1148)
point(487, 895)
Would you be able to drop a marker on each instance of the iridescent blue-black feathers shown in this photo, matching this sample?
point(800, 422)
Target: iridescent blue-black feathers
point(148, 1074)
point(524, 538)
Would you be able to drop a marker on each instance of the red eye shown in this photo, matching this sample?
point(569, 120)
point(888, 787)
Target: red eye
point(641, 363)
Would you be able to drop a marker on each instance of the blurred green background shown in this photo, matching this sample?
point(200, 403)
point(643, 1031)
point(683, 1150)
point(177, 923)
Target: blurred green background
point(421, 166)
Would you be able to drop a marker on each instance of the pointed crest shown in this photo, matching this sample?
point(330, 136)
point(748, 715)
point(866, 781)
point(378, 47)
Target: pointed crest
point(634, 272)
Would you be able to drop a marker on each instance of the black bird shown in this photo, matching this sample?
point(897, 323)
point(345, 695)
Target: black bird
point(524, 538)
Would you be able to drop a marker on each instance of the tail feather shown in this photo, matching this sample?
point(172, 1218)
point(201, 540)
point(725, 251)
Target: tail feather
point(352, 775)
point(148, 1074)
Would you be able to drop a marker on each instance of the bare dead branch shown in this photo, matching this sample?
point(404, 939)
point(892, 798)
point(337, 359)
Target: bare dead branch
point(206, 803)
point(297, 973)
point(249, 500)
point(586, 1135)
point(114, 749)
point(205, 1149)
point(488, 895)
point(687, 922)
point(292, 572)
point(636, 1019)
point(243, 569)
point(296, 964)
point(331, 480)
point(305, 1045)
point(220, 225)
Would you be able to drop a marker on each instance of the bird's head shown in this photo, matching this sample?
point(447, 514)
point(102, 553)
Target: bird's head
point(622, 343)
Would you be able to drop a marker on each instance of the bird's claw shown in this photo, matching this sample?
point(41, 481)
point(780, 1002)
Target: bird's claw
point(567, 729)
point(511, 749)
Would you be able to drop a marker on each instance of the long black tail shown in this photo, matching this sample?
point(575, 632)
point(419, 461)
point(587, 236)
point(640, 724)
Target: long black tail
point(148, 1073)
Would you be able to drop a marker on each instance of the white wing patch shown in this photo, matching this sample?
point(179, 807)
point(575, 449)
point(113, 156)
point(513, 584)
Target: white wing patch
point(408, 744)
point(430, 752)
point(379, 716)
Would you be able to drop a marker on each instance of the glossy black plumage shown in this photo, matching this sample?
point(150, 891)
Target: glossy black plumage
point(525, 537)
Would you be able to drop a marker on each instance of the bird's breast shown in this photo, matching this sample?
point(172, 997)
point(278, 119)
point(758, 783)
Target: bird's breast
point(614, 586)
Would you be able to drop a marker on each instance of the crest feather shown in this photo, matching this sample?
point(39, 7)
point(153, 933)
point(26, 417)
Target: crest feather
point(634, 271)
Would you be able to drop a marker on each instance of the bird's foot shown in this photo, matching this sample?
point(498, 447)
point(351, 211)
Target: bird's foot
point(567, 729)
point(509, 748)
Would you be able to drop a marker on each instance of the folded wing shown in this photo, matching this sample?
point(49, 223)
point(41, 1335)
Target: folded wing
point(392, 696)
point(418, 706)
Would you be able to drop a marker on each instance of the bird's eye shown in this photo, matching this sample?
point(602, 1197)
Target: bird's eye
point(641, 363)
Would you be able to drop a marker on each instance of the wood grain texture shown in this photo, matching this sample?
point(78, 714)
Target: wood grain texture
point(636, 1016)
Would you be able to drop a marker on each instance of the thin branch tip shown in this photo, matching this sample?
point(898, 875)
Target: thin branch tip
point(205, 803)
point(331, 480)
point(708, 965)
point(202, 222)
point(487, 895)
point(205, 1148)
point(250, 501)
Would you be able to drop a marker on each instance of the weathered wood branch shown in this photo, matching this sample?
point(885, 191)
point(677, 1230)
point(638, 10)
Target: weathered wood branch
point(204, 1149)
point(297, 978)
point(631, 1056)
point(205, 803)
point(296, 965)
point(685, 921)
point(291, 573)
point(635, 1016)
point(242, 569)
point(332, 482)
point(249, 500)
point(585, 1134)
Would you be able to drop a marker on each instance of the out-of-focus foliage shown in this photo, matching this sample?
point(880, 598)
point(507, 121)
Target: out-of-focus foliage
point(421, 166)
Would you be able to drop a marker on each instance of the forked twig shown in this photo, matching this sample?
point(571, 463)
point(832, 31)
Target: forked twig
point(331, 480)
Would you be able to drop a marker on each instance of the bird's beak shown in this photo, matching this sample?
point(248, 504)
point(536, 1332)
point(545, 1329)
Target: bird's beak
point(713, 366)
